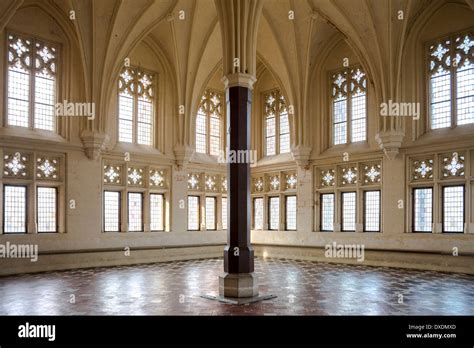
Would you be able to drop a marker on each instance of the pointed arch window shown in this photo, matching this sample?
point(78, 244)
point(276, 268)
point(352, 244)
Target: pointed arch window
point(349, 105)
point(31, 84)
point(277, 124)
point(209, 123)
point(451, 81)
point(136, 106)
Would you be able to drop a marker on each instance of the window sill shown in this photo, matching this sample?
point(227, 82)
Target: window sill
point(275, 159)
point(447, 134)
point(136, 148)
point(138, 233)
point(204, 158)
point(337, 149)
point(21, 133)
point(23, 234)
point(273, 231)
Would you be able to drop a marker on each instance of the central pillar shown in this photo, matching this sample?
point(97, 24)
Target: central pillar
point(238, 279)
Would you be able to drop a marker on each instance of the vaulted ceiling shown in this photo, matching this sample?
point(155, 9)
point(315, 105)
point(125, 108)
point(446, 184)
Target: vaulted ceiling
point(188, 35)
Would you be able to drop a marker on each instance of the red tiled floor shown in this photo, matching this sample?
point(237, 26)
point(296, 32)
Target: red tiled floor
point(302, 287)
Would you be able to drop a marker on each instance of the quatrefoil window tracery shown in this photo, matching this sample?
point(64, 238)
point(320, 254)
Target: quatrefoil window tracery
point(135, 176)
point(327, 177)
point(372, 173)
point(259, 184)
point(47, 168)
point(349, 175)
point(274, 183)
point(210, 182)
point(15, 165)
point(157, 178)
point(422, 169)
point(193, 181)
point(453, 165)
point(291, 181)
point(112, 174)
point(224, 184)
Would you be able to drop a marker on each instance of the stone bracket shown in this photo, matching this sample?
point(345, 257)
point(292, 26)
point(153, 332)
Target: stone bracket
point(183, 154)
point(94, 143)
point(301, 155)
point(390, 142)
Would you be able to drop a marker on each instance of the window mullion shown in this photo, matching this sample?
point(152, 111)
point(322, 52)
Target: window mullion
point(348, 116)
point(348, 106)
point(224, 123)
point(154, 103)
point(265, 132)
point(208, 133)
point(277, 128)
point(264, 127)
point(135, 110)
point(32, 85)
point(331, 122)
point(453, 85)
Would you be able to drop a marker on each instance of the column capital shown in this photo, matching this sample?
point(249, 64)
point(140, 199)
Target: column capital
point(239, 79)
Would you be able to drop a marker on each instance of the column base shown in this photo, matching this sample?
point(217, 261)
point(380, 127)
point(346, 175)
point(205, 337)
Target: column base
point(238, 285)
point(239, 301)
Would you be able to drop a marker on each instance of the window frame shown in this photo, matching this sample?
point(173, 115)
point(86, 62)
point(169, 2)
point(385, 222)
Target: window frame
point(135, 99)
point(226, 214)
point(452, 78)
point(35, 172)
point(57, 209)
point(198, 212)
point(286, 212)
point(348, 103)
point(163, 214)
point(443, 187)
point(336, 178)
point(208, 116)
point(364, 211)
point(321, 194)
point(204, 184)
point(342, 211)
point(438, 169)
point(118, 175)
point(142, 225)
point(413, 206)
point(119, 211)
point(205, 134)
point(253, 213)
point(270, 198)
point(214, 198)
point(25, 186)
point(32, 83)
point(277, 117)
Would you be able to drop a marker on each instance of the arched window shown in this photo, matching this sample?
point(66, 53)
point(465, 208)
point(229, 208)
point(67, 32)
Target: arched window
point(277, 124)
point(136, 106)
point(451, 87)
point(208, 123)
point(349, 105)
point(31, 86)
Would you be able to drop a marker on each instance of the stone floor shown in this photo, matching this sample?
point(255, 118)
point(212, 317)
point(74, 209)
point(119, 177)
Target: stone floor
point(302, 287)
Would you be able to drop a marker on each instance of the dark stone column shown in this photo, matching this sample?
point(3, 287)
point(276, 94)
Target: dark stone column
point(239, 104)
point(238, 279)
